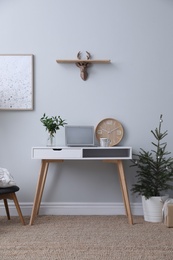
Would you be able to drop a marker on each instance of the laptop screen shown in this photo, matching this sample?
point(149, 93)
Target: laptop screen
point(79, 135)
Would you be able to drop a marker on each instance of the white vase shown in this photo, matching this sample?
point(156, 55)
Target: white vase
point(152, 208)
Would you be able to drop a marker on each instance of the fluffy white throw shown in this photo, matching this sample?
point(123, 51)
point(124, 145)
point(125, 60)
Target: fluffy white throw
point(6, 180)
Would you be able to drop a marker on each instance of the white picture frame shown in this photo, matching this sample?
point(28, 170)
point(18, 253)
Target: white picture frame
point(16, 81)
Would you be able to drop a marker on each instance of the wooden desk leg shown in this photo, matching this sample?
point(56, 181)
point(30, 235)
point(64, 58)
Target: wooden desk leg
point(124, 191)
point(42, 185)
point(39, 191)
point(123, 195)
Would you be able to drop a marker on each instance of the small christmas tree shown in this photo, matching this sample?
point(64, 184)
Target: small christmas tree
point(155, 168)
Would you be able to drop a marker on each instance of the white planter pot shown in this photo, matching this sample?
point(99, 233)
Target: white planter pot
point(152, 208)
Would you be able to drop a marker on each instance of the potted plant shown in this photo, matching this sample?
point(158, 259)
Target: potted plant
point(154, 175)
point(52, 124)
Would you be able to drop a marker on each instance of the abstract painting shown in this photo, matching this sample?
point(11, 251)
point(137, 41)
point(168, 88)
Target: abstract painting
point(16, 82)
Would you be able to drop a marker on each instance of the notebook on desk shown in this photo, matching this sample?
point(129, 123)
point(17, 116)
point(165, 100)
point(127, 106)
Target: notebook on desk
point(79, 136)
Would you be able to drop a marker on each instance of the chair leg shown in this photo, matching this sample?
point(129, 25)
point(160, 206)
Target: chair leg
point(18, 208)
point(6, 208)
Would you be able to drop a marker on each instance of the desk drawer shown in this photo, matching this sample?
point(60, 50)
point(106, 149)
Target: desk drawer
point(56, 153)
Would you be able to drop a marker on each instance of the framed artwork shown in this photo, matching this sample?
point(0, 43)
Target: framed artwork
point(16, 82)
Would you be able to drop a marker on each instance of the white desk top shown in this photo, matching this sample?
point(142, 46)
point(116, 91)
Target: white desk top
point(82, 153)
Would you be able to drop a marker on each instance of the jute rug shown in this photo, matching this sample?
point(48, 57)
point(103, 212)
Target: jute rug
point(84, 238)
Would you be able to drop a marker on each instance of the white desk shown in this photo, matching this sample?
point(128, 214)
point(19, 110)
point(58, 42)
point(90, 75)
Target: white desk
point(58, 154)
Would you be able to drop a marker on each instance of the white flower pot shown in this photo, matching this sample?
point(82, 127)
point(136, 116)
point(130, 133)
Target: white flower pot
point(152, 208)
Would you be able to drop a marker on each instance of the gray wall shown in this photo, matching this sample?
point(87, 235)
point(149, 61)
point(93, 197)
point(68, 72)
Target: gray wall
point(135, 88)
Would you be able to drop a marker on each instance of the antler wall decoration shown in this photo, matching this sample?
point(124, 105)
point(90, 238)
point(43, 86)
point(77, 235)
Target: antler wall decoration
point(83, 64)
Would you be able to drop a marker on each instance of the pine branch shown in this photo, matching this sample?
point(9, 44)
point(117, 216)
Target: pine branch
point(154, 172)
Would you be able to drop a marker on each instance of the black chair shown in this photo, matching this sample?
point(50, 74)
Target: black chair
point(10, 193)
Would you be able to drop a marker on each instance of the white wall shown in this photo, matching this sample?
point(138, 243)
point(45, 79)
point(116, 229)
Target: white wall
point(137, 36)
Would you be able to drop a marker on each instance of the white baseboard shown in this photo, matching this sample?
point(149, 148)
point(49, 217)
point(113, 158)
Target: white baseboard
point(49, 208)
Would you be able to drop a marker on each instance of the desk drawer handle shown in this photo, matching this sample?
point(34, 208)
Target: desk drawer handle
point(57, 149)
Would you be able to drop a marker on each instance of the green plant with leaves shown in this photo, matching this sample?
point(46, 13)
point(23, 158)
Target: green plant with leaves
point(154, 168)
point(52, 124)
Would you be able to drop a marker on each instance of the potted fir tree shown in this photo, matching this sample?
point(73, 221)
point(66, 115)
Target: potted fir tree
point(52, 124)
point(154, 175)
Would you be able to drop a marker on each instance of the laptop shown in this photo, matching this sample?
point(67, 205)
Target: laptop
point(79, 135)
